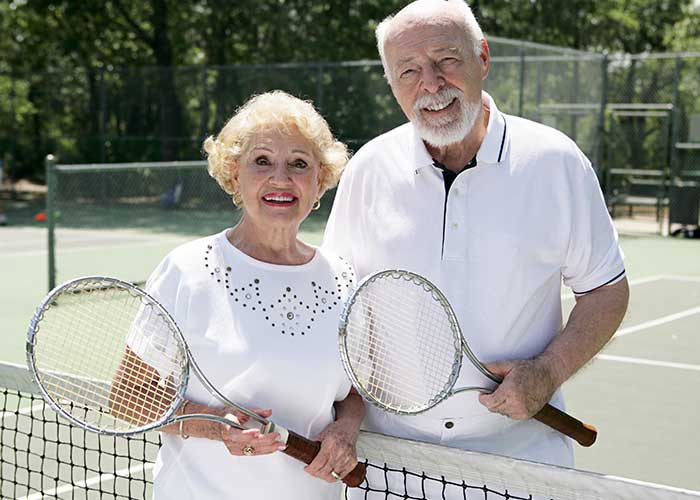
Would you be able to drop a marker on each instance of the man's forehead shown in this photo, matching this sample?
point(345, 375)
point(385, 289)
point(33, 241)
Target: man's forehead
point(408, 44)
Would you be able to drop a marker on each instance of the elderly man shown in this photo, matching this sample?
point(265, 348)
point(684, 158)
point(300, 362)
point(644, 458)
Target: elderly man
point(495, 210)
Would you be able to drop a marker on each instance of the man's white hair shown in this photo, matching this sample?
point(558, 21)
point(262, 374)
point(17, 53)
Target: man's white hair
point(474, 35)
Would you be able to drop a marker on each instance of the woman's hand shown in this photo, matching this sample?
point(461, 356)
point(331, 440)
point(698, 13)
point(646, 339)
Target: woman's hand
point(337, 457)
point(250, 442)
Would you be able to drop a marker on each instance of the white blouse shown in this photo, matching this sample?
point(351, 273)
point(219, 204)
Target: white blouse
point(266, 336)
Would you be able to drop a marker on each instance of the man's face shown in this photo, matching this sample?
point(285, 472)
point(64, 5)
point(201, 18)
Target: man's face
point(436, 77)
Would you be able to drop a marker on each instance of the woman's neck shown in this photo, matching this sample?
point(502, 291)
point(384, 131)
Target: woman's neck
point(272, 245)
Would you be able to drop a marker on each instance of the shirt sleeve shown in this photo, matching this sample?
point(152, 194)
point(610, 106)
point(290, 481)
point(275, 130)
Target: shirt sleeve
point(338, 236)
point(593, 257)
point(152, 336)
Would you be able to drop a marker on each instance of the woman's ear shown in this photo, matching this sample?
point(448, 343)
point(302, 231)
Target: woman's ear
point(233, 175)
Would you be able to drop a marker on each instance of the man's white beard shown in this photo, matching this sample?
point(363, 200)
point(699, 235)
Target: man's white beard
point(453, 130)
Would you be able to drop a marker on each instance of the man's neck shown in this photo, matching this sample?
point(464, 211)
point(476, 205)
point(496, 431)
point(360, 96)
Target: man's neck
point(457, 155)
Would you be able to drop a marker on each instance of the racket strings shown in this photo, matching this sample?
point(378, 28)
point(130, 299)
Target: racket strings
point(88, 344)
point(102, 396)
point(401, 344)
point(70, 316)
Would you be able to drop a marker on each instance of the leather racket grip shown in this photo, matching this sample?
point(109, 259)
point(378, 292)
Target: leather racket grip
point(306, 450)
point(584, 434)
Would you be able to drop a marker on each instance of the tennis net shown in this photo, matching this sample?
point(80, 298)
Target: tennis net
point(42, 456)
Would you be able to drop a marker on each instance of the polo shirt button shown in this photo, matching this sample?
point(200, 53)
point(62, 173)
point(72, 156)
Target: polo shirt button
point(456, 191)
point(449, 424)
point(455, 225)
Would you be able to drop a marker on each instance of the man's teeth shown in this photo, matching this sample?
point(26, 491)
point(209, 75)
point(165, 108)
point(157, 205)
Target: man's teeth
point(279, 198)
point(438, 107)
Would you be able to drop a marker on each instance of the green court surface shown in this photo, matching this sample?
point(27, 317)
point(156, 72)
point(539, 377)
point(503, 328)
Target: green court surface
point(641, 392)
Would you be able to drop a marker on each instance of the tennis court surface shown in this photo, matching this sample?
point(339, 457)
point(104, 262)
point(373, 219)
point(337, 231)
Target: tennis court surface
point(641, 393)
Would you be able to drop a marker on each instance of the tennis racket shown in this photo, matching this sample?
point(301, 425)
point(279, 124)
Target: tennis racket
point(109, 358)
point(402, 347)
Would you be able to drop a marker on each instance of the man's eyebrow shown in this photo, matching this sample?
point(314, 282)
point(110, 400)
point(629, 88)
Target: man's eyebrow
point(450, 49)
point(446, 49)
point(405, 60)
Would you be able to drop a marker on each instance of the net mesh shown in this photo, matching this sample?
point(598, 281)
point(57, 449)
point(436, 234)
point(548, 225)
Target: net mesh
point(41, 456)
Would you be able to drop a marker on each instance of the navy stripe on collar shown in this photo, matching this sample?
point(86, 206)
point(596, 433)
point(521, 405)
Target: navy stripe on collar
point(503, 139)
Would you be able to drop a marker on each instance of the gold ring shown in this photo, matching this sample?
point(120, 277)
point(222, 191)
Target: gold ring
point(336, 475)
point(248, 450)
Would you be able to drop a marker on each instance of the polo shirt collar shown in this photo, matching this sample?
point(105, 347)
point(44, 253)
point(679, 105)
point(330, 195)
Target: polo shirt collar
point(420, 155)
point(492, 150)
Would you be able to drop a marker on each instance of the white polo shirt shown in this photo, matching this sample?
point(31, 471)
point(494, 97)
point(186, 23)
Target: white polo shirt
point(529, 214)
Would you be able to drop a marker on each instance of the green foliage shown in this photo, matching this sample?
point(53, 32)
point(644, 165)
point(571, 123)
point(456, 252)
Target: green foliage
point(78, 77)
point(630, 26)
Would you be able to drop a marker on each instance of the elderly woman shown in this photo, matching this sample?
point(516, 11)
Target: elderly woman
point(259, 309)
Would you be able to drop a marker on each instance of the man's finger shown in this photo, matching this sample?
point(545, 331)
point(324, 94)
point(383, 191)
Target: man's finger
point(318, 463)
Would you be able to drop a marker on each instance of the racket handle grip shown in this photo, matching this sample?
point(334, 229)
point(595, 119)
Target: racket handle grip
point(306, 450)
point(584, 434)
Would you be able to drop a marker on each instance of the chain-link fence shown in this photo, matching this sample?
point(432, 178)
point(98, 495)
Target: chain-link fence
point(163, 114)
point(653, 136)
point(636, 117)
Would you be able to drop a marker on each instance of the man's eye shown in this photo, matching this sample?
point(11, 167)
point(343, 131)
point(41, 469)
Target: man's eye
point(407, 73)
point(448, 60)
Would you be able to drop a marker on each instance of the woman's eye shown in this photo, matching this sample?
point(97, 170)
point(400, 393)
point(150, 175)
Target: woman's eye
point(299, 164)
point(262, 161)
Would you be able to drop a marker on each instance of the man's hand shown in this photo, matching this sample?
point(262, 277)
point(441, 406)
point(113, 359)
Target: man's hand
point(527, 386)
point(337, 455)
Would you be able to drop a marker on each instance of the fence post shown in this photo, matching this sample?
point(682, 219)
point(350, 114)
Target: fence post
point(673, 167)
point(675, 119)
point(599, 151)
point(538, 92)
point(575, 88)
point(102, 114)
point(13, 114)
point(521, 95)
point(50, 219)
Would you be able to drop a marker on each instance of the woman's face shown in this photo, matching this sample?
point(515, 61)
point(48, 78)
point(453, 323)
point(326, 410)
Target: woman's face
point(278, 179)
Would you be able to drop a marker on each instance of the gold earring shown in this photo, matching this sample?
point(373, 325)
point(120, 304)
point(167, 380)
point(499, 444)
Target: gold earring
point(316, 205)
point(236, 198)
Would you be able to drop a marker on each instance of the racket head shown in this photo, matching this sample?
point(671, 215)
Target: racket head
point(85, 346)
point(400, 342)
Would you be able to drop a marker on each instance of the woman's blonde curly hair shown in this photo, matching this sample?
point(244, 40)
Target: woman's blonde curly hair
point(280, 111)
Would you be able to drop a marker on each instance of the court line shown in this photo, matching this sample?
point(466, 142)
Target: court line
point(54, 492)
point(35, 253)
point(691, 279)
point(656, 322)
point(650, 362)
